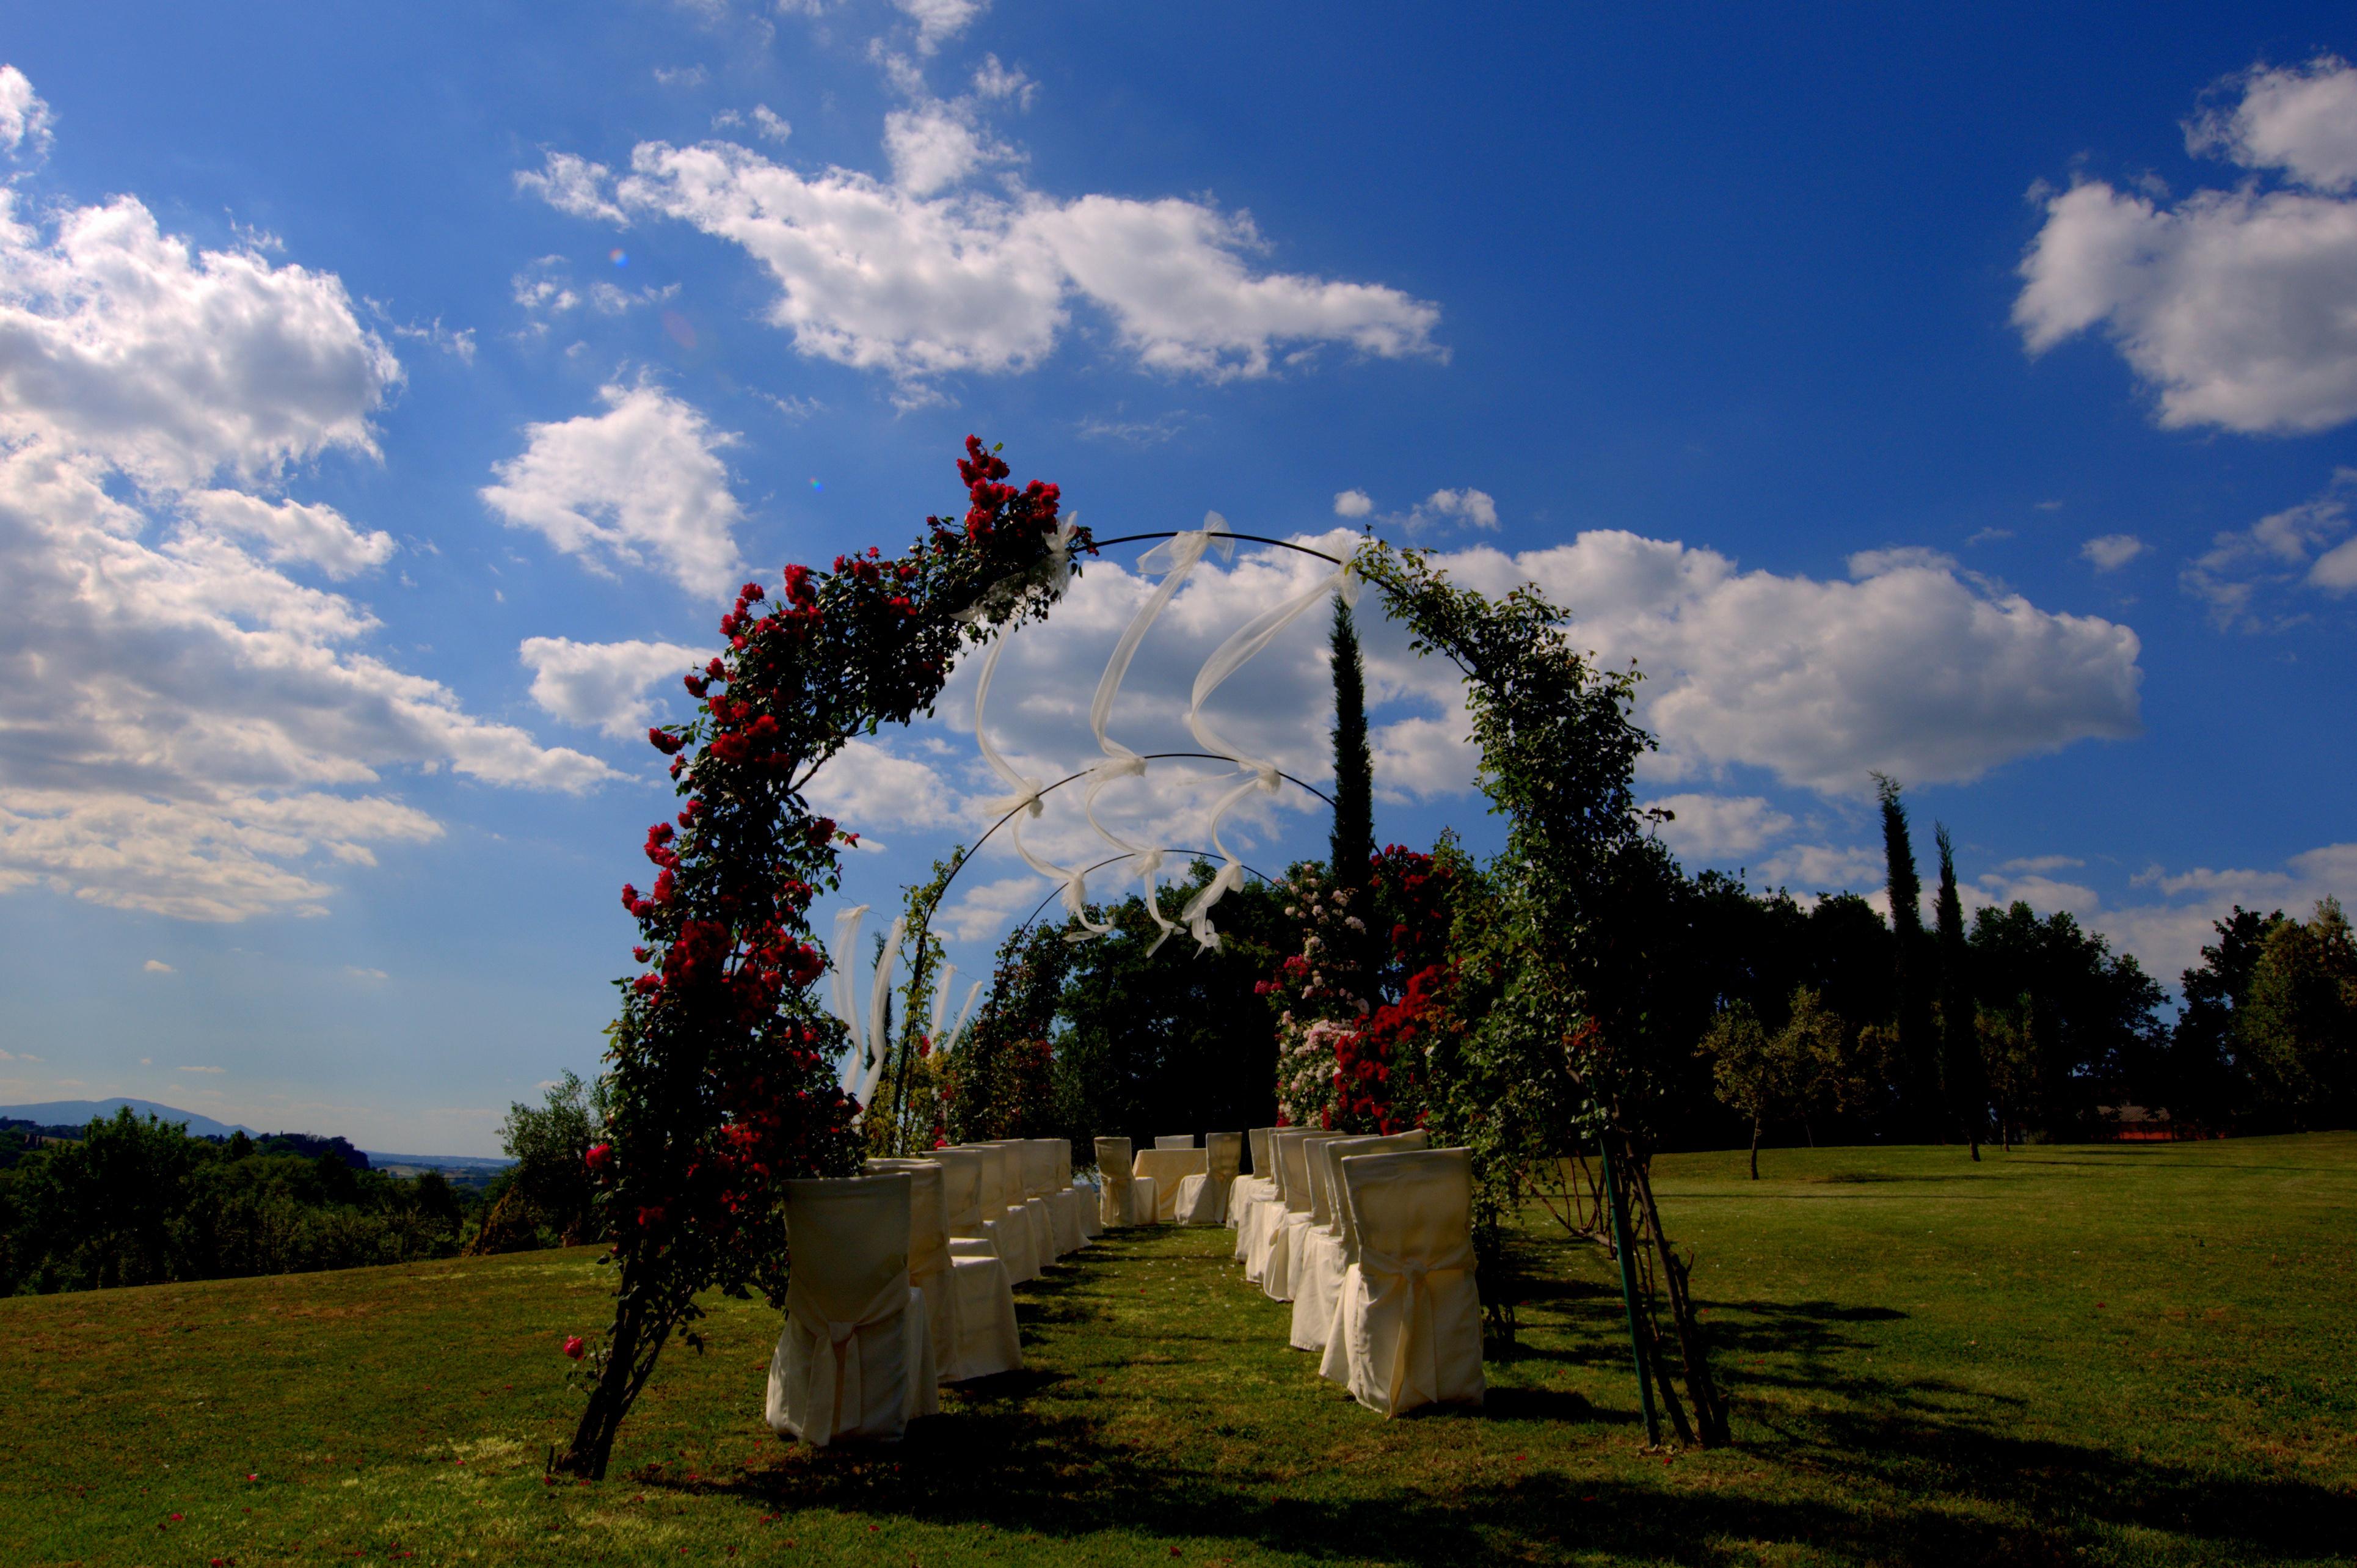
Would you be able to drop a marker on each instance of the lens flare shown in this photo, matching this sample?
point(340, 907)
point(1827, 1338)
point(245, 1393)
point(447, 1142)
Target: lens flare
point(619, 257)
point(817, 486)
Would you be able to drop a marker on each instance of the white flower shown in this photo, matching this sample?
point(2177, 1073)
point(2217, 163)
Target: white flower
point(1355, 923)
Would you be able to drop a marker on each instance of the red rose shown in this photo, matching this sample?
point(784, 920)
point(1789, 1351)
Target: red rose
point(598, 1157)
point(662, 740)
point(574, 1345)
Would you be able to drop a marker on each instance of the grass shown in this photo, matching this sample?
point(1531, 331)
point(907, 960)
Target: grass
point(2136, 1355)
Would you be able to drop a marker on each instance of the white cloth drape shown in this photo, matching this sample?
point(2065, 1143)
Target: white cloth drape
point(1114, 1173)
point(1326, 1247)
point(855, 1358)
point(1409, 1321)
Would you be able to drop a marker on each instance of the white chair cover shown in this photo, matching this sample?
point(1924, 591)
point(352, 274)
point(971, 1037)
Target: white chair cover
point(1321, 1252)
point(1004, 1220)
point(1168, 1169)
point(855, 1359)
point(1113, 1172)
point(1293, 1165)
point(1144, 1201)
point(1269, 1223)
point(1262, 1166)
point(1203, 1200)
point(969, 1304)
point(1084, 1190)
point(960, 1189)
point(1408, 1319)
point(1176, 1141)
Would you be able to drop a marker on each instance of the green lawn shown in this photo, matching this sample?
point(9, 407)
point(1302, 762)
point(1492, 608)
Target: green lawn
point(2081, 1355)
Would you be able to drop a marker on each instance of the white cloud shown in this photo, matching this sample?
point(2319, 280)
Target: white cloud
point(203, 1069)
point(157, 966)
point(291, 531)
point(1472, 508)
point(926, 277)
point(1813, 869)
point(865, 784)
point(24, 116)
point(985, 910)
point(604, 683)
point(937, 21)
point(575, 185)
point(2299, 119)
point(680, 75)
point(1911, 668)
point(992, 80)
point(770, 124)
point(2112, 551)
point(1707, 828)
point(932, 147)
point(641, 485)
point(2282, 550)
point(2239, 307)
point(1352, 503)
point(180, 721)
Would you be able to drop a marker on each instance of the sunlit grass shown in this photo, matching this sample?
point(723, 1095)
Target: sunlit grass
point(2137, 1355)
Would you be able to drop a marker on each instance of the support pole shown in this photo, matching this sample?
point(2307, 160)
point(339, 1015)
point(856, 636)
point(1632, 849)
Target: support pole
point(1628, 1293)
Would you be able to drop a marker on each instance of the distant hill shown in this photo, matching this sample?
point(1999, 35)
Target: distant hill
point(78, 1113)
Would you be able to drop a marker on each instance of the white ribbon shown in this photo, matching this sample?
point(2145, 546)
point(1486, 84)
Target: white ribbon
point(844, 991)
point(941, 1004)
point(1412, 1362)
point(1224, 662)
point(877, 997)
point(1175, 558)
point(957, 1030)
point(835, 1386)
point(1025, 801)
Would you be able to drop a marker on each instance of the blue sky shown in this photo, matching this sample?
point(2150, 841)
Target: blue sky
point(389, 400)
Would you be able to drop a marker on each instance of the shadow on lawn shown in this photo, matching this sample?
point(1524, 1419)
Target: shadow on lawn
point(1915, 1472)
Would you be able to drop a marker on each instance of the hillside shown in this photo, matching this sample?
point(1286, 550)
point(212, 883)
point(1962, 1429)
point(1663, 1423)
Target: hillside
point(2085, 1354)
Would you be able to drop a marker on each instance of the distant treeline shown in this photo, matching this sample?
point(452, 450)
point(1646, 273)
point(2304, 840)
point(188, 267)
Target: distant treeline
point(128, 1201)
point(1762, 1015)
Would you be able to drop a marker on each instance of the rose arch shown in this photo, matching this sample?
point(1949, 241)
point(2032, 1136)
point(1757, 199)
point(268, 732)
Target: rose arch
point(727, 1074)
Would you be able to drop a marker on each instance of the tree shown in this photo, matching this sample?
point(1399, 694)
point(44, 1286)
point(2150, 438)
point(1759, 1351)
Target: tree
point(1915, 969)
point(1352, 845)
point(1804, 1066)
point(549, 1188)
point(2207, 1084)
point(2088, 1016)
point(2298, 1030)
point(1966, 1095)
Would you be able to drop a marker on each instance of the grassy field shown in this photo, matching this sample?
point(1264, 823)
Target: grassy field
point(2119, 1355)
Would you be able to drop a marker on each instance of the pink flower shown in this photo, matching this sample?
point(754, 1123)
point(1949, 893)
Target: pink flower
point(574, 1345)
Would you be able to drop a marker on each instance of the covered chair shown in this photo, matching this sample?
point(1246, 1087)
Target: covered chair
point(1260, 1237)
point(1176, 1141)
point(1063, 1203)
point(1004, 1219)
point(1114, 1183)
point(1291, 1147)
point(1322, 1251)
point(1407, 1320)
point(1249, 1190)
point(1039, 1156)
point(1167, 1169)
point(969, 1304)
point(962, 1180)
point(1203, 1198)
point(854, 1360)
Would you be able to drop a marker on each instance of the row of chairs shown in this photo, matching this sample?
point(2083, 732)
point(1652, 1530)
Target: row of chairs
point(1371, 1240)
point(903, 1278)
point(1173, 1183)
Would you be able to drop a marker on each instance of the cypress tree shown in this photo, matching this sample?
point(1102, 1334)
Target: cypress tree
point(1918, 1069)
point(1352, 845)
point(1960, 1047)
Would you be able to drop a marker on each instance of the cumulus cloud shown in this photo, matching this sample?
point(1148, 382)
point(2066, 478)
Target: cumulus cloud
point(2239, 305)
point(937, 21)
point(604, 684)
point(866, 785)
point(641, 485)
point(992, 80)
point(572, 184)
point(183, 724)
point(2112, 551)
point(1708, 828)
point(24, 116)
point(2284, 550)
point(1472, 508)
point(157, 966)
point(1352, 503)
point(925, 276)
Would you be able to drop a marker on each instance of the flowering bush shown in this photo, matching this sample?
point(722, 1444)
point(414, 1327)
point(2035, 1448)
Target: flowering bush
point(1318, 993)
point(722, 1075)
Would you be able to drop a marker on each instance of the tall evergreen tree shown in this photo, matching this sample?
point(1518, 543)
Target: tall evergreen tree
point(1959, 1039)
point(1353, 846)
point(1917, 1070)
